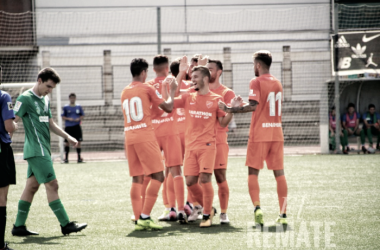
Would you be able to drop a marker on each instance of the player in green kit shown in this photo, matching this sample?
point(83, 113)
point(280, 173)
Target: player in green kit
point(33, 108)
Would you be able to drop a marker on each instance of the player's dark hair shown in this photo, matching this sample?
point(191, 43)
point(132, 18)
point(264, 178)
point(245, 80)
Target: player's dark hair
point(218, 63)
point(160, 59)
point(47, 74)
point(263, 56)
point(72, 94)
point(174, 67)
point(371, 106)
point(203, 69)
point(195, 57)
point(332, 108)
point(351, 105)
point(138, 65)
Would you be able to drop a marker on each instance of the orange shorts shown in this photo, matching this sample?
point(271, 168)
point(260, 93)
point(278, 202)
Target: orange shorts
point(144, 158)
point(199, 161)
point(182, 136)
point(221, 156)
point(171, 145)
point(270, 152)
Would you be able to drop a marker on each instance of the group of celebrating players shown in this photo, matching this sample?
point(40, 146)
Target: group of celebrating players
point(185, 114)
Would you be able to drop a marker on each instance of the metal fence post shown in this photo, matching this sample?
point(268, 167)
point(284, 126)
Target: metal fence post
point(227, 68)
point(287, 73)
point(107, 77)
point(158, 30)
point(168, 53)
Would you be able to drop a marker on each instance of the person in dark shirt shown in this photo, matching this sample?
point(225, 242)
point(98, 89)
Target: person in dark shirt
point(371, 126)
point(7, 162)
point(73, 115)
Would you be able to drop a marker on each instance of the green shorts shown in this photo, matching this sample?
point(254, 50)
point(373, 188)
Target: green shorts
point(352, 130)
point(42, 168)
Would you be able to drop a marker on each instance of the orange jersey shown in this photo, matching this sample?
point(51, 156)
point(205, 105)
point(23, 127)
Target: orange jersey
point(136, 100)
point(227, 94)
point(181, 112)
point(201, 112)
point(163, 123)
point(266, 122)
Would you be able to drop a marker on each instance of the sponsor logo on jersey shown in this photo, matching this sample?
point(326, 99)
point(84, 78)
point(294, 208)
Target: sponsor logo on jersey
point(251, 93)
point(10, 106)
point(209, 104)
point(17, 106)
point(159, 121)
point(200, 114)
point(180, 119)
point(271, 125)
point(142, 125)
point(158, 94)
point(78, 111)
point(44, 119)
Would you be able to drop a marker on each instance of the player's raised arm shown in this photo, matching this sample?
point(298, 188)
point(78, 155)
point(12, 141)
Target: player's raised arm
point(183, 69)
point(167, 105)
point(235, 103)
point(250, 107)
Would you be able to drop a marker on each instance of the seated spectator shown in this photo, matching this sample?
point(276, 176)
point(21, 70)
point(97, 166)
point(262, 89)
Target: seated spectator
point(343, 133)
point(371, 126)
point(350, 121)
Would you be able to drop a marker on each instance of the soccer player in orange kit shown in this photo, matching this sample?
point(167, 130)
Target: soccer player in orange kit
point(144, 156)
point(169, 141)
point(216, 70)
point(202, 115)
point(266, 139)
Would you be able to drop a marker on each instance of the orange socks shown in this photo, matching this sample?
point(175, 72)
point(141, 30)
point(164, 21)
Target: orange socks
point(179, 187)
point(189, 196)
point(151, 196)
point(170, 190)
point(143, 190)
point(136, 199)
point(197, 193)
point(224, 193)
point(254, 189)
point(282, 191)
point(208, 197)
point(164, 193)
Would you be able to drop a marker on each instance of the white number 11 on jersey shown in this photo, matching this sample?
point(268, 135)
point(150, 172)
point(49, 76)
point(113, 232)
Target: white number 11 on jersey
point(272, 103)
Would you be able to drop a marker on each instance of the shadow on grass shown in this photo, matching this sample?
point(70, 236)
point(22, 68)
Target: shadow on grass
point(45, 240)
point(177, 229)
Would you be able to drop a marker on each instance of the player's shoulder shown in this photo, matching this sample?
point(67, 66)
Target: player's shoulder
point(66, 105)
point(26, 95)
point(151, 82)
point(4, 95)
point(213, 95)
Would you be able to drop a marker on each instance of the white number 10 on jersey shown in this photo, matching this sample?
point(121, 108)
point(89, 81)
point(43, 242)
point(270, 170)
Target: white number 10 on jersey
point(137, 113)
point(272, 103)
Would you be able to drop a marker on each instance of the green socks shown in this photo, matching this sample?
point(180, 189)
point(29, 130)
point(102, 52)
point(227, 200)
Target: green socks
point(60, 212)
point(22, 214)
point(56, 206)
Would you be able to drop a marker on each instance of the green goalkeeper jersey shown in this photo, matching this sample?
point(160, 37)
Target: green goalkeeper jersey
point(35, 113)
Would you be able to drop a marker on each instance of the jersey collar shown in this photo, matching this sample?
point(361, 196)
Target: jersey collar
point(39, 97)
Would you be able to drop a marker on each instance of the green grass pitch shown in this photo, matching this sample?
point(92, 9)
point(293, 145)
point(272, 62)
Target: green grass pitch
point(333, 201)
